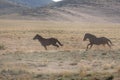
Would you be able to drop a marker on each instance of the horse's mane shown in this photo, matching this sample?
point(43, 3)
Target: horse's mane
point(91, 35)
point(39, 36)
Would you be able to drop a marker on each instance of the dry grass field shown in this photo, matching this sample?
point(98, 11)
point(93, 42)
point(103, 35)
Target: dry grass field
point(22, 58)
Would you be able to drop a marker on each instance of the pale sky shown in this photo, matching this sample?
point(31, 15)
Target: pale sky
point(57, 0)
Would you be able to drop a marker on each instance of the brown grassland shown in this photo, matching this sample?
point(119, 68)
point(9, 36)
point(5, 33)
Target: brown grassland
point(22, 58)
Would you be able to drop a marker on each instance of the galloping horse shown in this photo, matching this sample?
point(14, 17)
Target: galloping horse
point(49, 41)
point(94, 40)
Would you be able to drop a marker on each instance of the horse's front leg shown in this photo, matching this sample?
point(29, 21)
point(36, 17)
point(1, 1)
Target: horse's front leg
point(88, 46)
point(91, 46)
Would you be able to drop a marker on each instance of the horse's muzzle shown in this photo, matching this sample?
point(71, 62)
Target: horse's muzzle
point(33, 38)
point(84, 39)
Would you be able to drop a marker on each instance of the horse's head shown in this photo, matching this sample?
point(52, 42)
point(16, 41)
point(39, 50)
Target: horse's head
point(37, 36)
point(88, 36)
point(85, 37)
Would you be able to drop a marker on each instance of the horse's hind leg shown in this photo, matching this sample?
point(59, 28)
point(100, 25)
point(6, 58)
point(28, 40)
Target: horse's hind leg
point(59, 43)
point(108, 44)
point(91, 46)
point(55, 45)
point(45, 47)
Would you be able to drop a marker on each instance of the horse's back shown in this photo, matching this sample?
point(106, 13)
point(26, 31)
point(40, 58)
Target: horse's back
point(104, 38)
point(53, 39)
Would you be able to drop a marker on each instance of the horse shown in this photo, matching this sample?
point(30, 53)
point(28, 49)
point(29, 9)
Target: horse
point(47, 41)
point(96, 40)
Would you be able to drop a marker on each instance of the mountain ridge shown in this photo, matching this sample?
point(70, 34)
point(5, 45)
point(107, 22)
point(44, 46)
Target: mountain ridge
point(77, 10)
point(80, 10)
point(7, 7)
point(32, 3)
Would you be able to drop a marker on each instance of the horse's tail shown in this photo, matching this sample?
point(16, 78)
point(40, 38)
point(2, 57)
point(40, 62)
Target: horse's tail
point(59, 43)
point(110, 42)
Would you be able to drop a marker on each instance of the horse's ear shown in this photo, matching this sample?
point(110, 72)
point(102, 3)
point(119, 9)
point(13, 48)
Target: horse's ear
point(87, 33)
point(37, 34)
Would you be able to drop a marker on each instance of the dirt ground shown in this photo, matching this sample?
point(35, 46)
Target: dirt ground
point(22, 58)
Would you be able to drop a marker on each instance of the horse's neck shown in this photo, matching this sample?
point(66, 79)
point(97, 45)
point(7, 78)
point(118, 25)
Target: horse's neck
point(40, 38)
point(92, 38)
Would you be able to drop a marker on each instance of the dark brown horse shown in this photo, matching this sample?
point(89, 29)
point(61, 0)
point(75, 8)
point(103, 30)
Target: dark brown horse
point(49, 41)
point(98, 41)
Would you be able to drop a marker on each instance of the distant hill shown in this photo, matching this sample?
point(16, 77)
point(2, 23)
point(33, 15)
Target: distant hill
point(75, 10)
point(79, 10)
point(32, 3)
point(15, 9)
point(7, 7)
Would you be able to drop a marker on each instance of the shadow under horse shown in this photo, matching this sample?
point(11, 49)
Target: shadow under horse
point(96, 40)
point(47, 41)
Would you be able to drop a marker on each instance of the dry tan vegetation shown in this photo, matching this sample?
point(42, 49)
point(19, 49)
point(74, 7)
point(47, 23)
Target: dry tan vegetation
point(24, 55)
